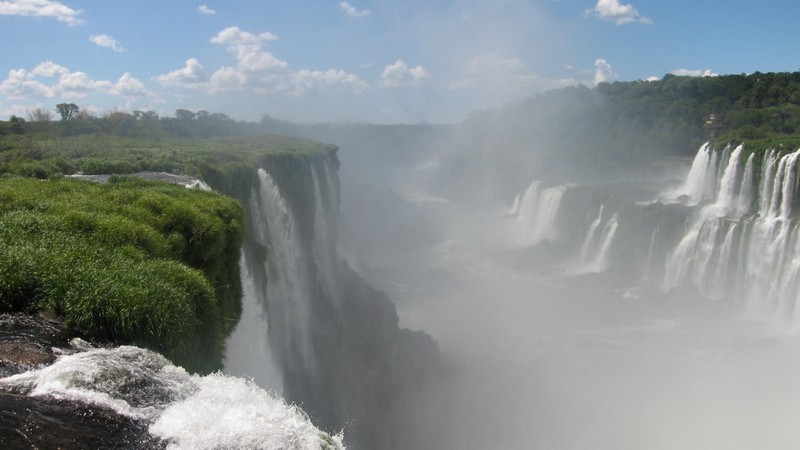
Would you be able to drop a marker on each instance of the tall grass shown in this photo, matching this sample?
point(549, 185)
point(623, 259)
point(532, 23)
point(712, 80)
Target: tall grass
point(131, 261)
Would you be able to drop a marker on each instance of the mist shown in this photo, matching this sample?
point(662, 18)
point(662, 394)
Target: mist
point(549, 344)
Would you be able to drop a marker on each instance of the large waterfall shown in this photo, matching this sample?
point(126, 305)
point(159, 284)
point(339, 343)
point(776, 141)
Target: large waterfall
point(743, 240)
point(732, 230)
point(329, 341)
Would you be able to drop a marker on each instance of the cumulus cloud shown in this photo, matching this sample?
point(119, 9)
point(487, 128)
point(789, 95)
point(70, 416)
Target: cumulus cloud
point(256, 70)
point(106, 41)
point(191, 74)
point(620, 14)
point(50, 80)
point(399, 74)
point(694, 73)
point(205, 10)
point(603, 72)
point(41, 8)
point(233, 36)
point(352, 11)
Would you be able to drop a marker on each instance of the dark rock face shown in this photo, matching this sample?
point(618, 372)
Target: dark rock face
point(31, 342)
point(44, 422)
point(27, 342)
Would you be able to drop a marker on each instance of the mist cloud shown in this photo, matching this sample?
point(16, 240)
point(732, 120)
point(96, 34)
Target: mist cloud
point(694, 73)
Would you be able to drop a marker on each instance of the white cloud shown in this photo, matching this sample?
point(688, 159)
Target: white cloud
point(399, 74)
point(49, 69)
point(620, 14)
point(233, 36)
point(21, 84)
point(25, 85)
point(41, 8)
point(205, 10)
point(352, 11)
point(129, 86)
point(106, 41)
point(603, 72)
point(191, 74)
point(694, 73)
point(256, 70)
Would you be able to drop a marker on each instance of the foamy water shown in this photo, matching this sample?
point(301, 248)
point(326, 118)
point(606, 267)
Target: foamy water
point(185, 411)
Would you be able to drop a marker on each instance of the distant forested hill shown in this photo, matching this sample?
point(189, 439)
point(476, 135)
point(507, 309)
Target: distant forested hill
point(663, 117)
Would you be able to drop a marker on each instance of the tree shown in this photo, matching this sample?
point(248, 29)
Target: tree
point(17, 124)
point(40, 115)
point(184, 115)
point(67, 110)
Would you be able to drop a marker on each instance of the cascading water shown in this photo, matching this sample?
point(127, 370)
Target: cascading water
point(594, 254)
point(334, 339)
point(730, 249)
point(536, 213)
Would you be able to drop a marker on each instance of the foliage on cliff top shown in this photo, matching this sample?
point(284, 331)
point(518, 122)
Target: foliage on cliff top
point(129, 261)
point(40, 155)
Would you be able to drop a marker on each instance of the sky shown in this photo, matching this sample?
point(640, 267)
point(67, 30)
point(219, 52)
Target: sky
point(367, 61)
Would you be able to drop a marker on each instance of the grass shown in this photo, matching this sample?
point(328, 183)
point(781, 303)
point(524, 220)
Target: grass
point(130, 261)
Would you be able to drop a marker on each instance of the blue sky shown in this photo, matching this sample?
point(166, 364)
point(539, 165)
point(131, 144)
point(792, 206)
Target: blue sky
point(377, 61)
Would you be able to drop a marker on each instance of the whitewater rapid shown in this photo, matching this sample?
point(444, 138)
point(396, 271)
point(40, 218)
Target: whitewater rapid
point(185, 411)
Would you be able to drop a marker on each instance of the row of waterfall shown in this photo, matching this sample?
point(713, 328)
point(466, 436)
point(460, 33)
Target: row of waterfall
point(729, 229)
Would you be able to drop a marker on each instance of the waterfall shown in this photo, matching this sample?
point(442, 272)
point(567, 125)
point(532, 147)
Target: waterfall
point(726, 251)
point(596, 248)
point(699, 184)
point(324, 231)
point(647, 271)
point(728, 186)
point(607, 238)
point(536, 216)
point(589, 246)
point(334, 339)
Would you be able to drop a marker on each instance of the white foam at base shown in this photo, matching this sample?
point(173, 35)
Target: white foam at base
point(228, 412)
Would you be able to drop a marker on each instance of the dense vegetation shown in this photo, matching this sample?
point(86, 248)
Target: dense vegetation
point(131, 261)
point(643, 119)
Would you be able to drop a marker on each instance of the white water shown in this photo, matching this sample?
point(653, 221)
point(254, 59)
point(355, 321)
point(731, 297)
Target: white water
point(246, 351)
point(536, 214)
point(289, 291)
point(596, 247)
point(324, 231)
point(727, 250)
point(186, 411)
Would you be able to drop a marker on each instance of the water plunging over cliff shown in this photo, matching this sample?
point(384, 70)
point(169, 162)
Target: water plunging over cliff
point(333, 341)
